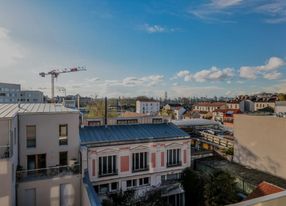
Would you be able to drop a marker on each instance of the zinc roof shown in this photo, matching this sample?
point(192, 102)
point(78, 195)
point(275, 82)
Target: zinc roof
point(135, 132)
point(10, 110)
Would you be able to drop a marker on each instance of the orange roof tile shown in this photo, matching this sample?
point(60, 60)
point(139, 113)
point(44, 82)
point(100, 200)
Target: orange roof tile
point(264, 188)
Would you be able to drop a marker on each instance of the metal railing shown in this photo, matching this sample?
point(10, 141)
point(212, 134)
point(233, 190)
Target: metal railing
point(4, 151)
point(174, 164)
point(101, 174)
point(221, 141)
point(23, 175)
point(141, 169)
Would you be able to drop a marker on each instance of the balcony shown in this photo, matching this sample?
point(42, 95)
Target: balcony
point(174, 164)
point(140, 169)
point(43, 173)
point(101, 174)
point(5, 151)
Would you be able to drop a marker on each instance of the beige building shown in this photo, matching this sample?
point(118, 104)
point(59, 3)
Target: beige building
point(260, 143)
point(48, 172)
point(263, 104)
point(209, 106)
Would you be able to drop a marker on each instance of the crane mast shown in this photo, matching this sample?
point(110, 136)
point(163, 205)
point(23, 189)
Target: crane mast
point(55, 73)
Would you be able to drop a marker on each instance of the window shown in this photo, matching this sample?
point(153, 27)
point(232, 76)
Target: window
point(107, 166)
point(114, 186)
point(144, 181)
point(63, 134)
point(127, 121)
point(63, 158)
point(31, 136)
point(94, 123)
point(139, 162)
point(173, 157)
point(131, 183)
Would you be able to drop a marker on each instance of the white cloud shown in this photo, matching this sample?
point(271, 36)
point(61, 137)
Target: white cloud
point(225, 3)
point(212, 74)
point(186, 91)
point(185, 74)
point(157, 28)
point(149, 81)
point(247, 72)
point(275, 11)
point(272, 75)
point(10, 51)
point(94, 79)
point(268, 71)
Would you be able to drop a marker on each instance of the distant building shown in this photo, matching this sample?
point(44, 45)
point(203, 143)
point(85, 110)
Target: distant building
point(280, 107)
point(261, 104)
point(178, 110)
point(235, 104)
point(147, 106)
point(30, 96)
point(208, 106)
point(139, 157)
point(9, 93)
point(260, 143)
point(12, 93)
point(225, 116)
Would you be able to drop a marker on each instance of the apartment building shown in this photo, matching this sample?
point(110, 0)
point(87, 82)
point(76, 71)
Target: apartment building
point(260, 143)
point(8, 156)
point(280, 107)
point(141, 157)
point(235, 104)
point(261, 104)
point(208, 106)
point(147, 106)
point(12, 93)
point(48, 154)
point(9, 93)
point(31, 96)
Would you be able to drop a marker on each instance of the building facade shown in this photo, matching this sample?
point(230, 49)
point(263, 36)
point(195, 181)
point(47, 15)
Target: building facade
point(208, 106)
point(147, 107)
point(9, 93)
point(12, 93)
point(47, 169)
point(259, 143)
point(137, 157)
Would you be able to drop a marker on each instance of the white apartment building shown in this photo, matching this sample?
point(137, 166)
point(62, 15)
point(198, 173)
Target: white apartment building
point(280, 107)
point(30, 96)
point(141, 157)
point(47, 169)
point(236, 104)
point(147, 107)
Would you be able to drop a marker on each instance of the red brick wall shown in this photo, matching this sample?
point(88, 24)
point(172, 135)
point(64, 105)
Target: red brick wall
point(162, 159)
point(93, 167)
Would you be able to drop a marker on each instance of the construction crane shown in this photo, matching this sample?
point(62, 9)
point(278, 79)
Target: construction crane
point(56, 72)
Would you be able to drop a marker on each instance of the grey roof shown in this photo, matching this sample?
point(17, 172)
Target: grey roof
point(135, 132)
point(194, 122)
point(10, 110)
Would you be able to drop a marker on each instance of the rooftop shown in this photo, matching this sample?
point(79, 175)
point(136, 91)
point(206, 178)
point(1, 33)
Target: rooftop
point(253, 176)
point(10, 110)
point(194, 122)
point(264, 188)
point(210, 104)
point(136, 132)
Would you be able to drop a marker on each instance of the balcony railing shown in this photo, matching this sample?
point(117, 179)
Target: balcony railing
point(4, 151)
point(141, 169)
point(101, 174)
point(48, 172)
point(174, 164)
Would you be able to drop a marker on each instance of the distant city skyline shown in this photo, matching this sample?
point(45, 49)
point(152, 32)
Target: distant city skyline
point(131, 48)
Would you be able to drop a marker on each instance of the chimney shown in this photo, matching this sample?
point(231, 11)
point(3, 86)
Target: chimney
point(105, 111)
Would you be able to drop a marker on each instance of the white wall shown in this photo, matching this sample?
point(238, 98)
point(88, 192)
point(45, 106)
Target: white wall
point(47, 136)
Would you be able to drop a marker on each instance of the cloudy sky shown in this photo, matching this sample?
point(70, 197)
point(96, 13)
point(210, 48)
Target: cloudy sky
point(131, 48)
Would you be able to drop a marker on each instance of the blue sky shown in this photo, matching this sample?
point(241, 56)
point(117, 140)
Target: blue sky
point(130, 48)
